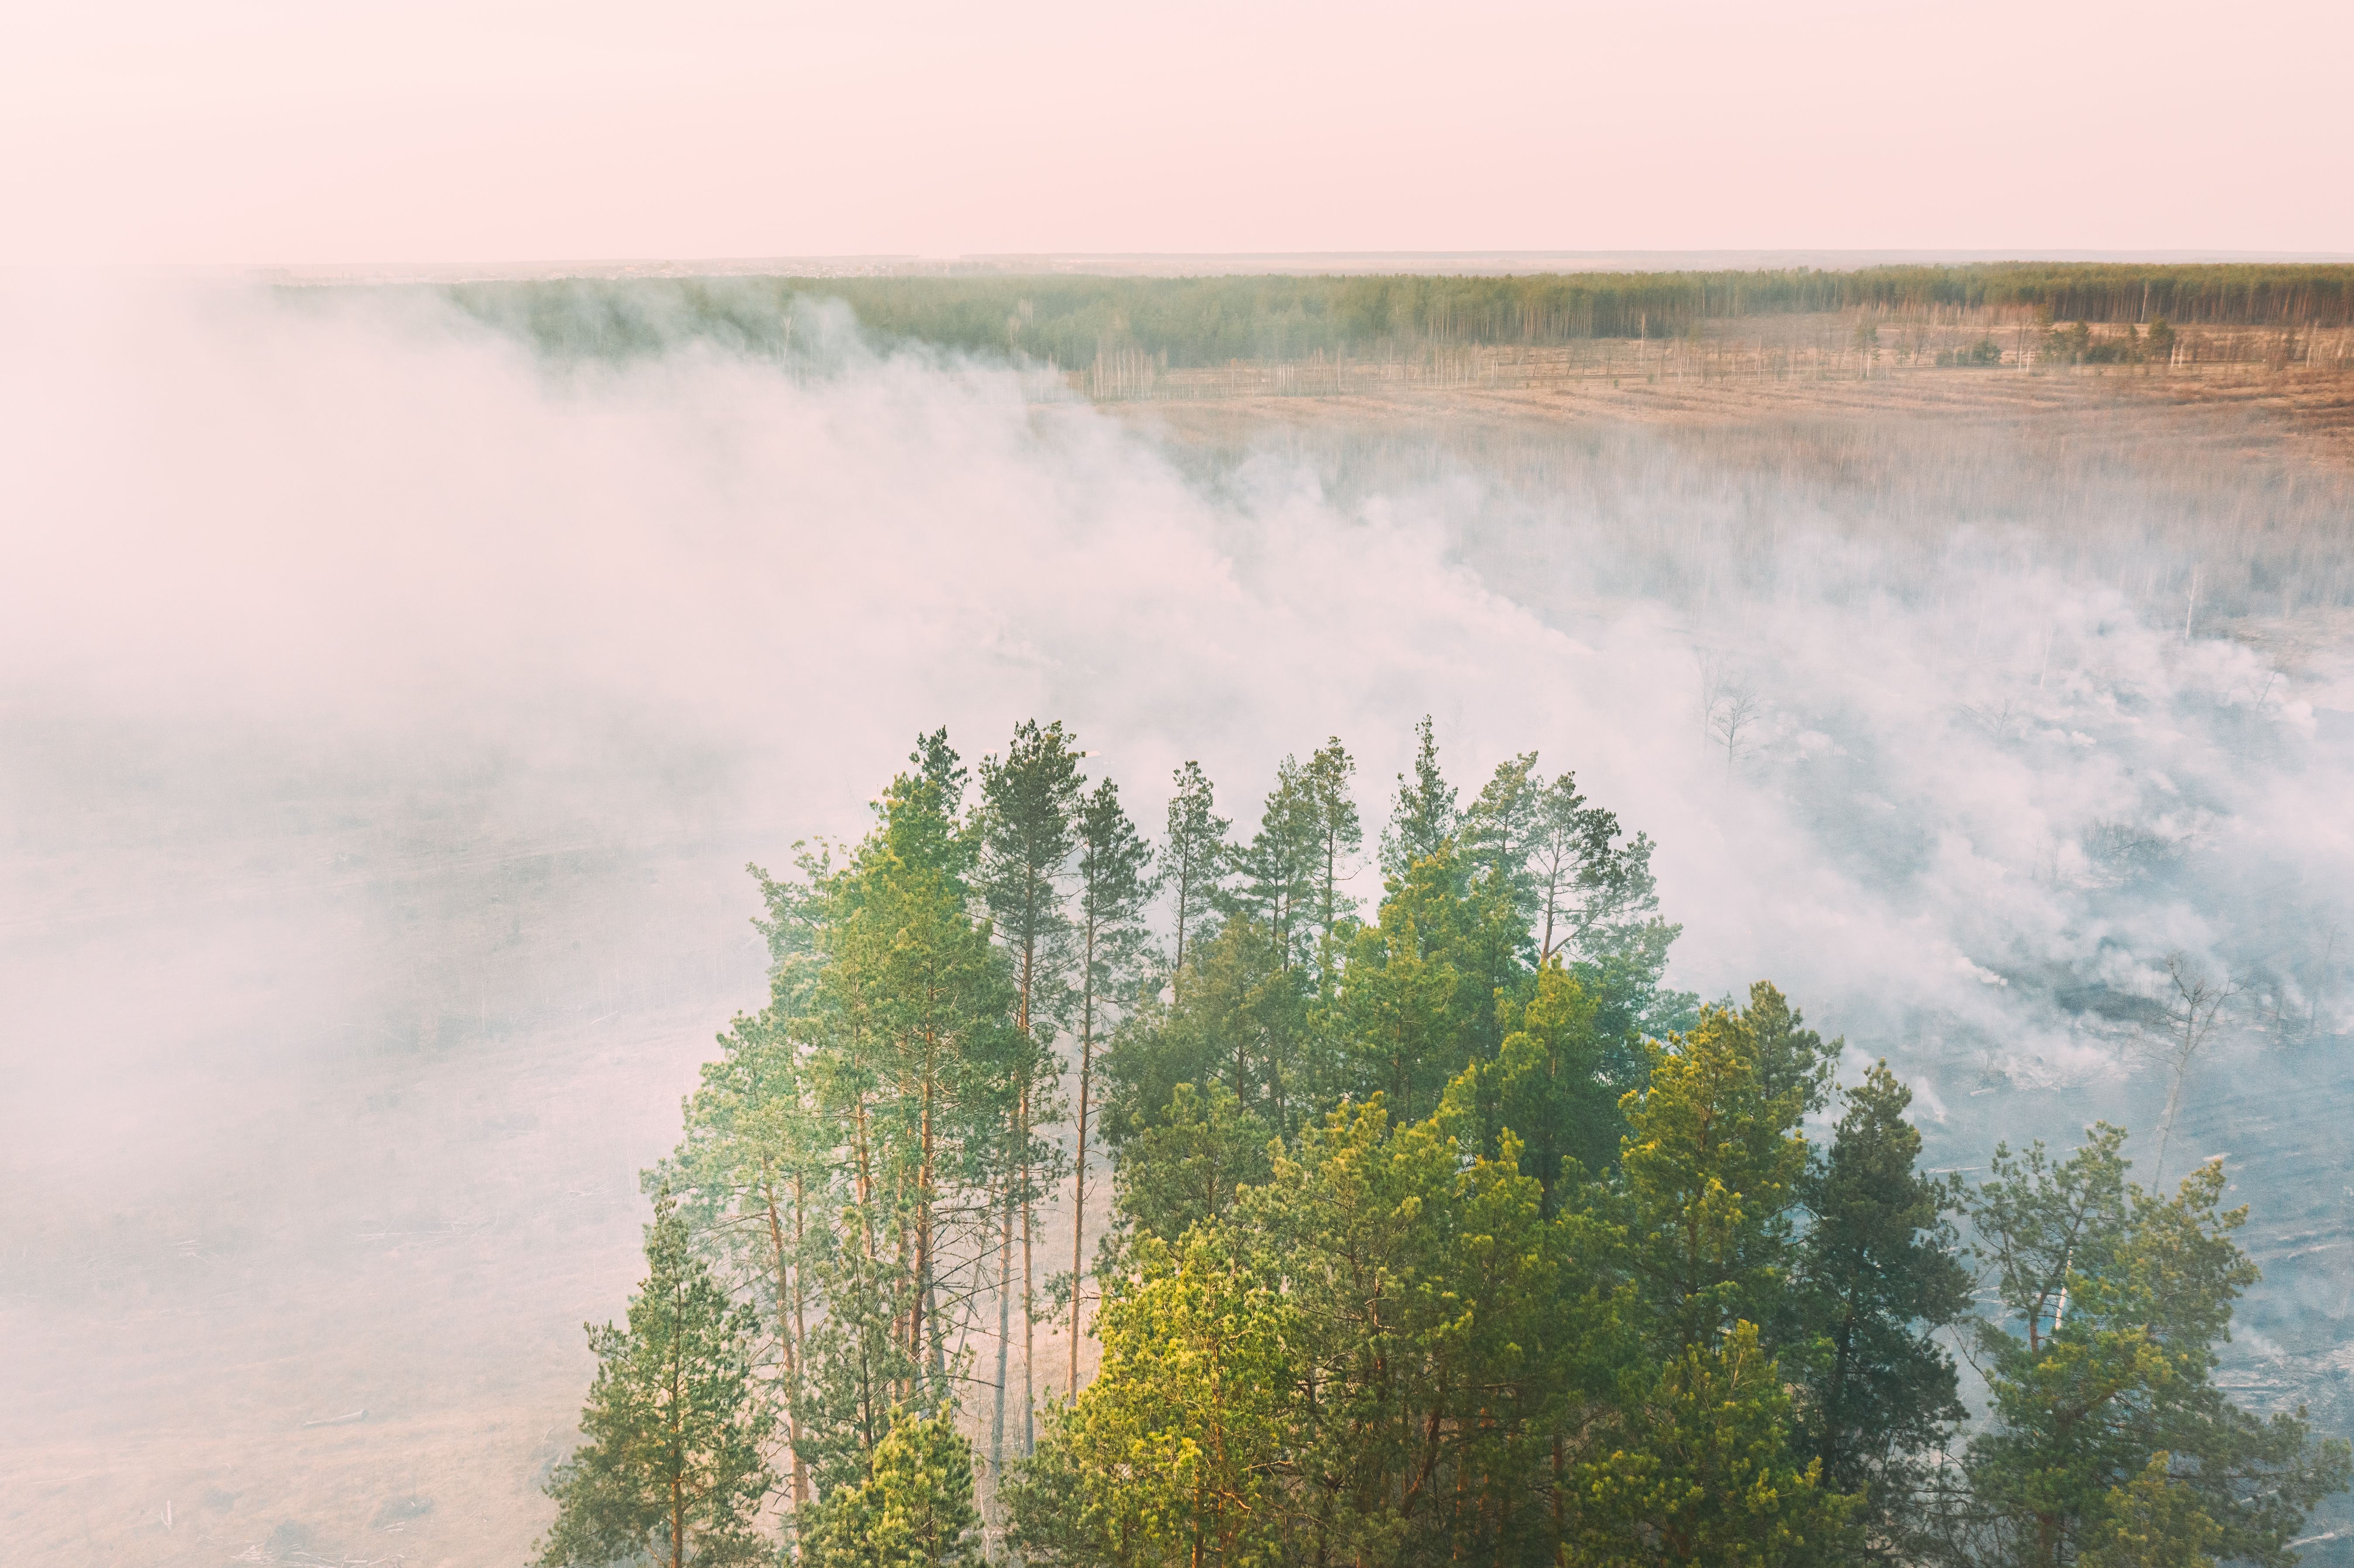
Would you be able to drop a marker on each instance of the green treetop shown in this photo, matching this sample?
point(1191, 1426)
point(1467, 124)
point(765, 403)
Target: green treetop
point(672, 1467)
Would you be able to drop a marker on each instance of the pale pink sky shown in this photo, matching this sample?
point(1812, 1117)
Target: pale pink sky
point(268, 130)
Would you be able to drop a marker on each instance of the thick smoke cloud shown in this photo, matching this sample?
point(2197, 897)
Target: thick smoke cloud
point(388, 713)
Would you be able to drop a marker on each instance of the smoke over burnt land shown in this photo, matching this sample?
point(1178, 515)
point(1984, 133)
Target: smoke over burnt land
point(391, 696)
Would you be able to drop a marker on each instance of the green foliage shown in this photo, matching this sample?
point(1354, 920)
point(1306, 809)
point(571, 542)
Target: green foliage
point(1193, 857)
point(840, 1158)
point(1440, 1330)
point(1452, 1237)
point(1529, 872)
point(913, 1509)
point(1699, 1469)
point(1280, 867)
point(1186, 1168)
point(1399, 1015)
point(1174, 1452)
point(1339, 834)
point(1873, 1281)
point(2107, 1426)
point(1557, 1084)
point(1363, 1359)
point(672, 1467)
point(1115, 883)
point(1238, 1019)
point(1029, 827)
point(1713, 1165)
point(1422, 817)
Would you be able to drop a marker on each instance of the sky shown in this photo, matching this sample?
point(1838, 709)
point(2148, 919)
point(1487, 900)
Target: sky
point(265, 132)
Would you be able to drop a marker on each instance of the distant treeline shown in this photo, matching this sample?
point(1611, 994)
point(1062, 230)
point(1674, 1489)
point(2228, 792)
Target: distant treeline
point(1186, 322)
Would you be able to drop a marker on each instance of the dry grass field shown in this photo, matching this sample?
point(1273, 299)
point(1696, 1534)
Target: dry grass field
point(2131, 476)
point(1864, 347)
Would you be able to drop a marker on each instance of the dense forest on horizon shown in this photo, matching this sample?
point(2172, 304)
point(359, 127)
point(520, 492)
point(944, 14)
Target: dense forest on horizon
point(1440, 1231)
point(1067, 320)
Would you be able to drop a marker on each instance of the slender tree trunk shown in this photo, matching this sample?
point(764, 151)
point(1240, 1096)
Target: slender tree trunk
point(1079, 1165)
point(1005, 1339)
point(1029, 1319)
point(800, 1333)
point(1552, 901)
point(2165, 1127)
point(1005, 1240)
point(923, 1218)
point(676, 1416)
point(1331, 878)
point(1184, 893)
point(785, 1333)
point(866, 1180)
point(903, 1316)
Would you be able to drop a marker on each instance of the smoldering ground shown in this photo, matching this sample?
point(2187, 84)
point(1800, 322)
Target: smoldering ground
point(390, 708)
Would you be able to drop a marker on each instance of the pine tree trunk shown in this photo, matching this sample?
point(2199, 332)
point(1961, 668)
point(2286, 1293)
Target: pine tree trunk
point(800, 1333)
point(923, 1226)
point(1004, 1338)
point(1029, 1320)
point(1185, 892)
point(676, 1418)
point(786, 1334)
point(1079, 1165)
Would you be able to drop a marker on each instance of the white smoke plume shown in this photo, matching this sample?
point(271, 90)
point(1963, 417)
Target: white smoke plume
point(388, 713)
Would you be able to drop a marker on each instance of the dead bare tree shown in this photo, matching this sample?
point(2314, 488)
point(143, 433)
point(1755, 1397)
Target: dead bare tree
point(1997, 719)
point(1731, 716)
point(2190, 1014)
point(1713, 677)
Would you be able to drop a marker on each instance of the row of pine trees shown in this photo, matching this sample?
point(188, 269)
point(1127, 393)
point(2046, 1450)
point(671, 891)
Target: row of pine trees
point(1446, 1233)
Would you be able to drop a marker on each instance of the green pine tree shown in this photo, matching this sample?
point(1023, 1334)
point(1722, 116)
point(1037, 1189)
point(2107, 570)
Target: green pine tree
point(1712, 1165)
point(1029, 809)
point(1281, 864)
point(1186, 1168)
point(1696, 1471)
point(914, 1508)
point(672, 1468)
point(2117, 1298)
point(1339, 832)
point(1115, 883)
point(1193, 858)
point(1874, 1283)
point(1422, 817)
point(1503, 827)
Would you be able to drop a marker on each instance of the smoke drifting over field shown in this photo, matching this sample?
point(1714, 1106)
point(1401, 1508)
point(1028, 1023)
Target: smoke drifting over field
point(386, 714)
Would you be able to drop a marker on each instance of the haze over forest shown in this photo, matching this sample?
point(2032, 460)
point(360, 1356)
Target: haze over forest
point(399, 679)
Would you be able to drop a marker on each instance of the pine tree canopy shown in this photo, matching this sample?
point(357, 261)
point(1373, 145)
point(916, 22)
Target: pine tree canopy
point(1439, 1229)
point(672, 1467)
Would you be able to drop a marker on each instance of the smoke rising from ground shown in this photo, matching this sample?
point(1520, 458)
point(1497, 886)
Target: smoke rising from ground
point(386, 714)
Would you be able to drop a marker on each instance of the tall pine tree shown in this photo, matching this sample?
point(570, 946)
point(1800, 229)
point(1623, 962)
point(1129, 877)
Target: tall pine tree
point(1115, 885)
point(1030, 802)
point(672, 1468)
point(1193, 858)
point(1422, 817)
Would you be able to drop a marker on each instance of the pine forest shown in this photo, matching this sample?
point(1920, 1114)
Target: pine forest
point(1101, 1186)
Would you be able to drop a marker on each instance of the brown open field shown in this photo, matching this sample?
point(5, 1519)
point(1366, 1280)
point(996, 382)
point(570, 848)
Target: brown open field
point(1863, 347)
point(2237, 480)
